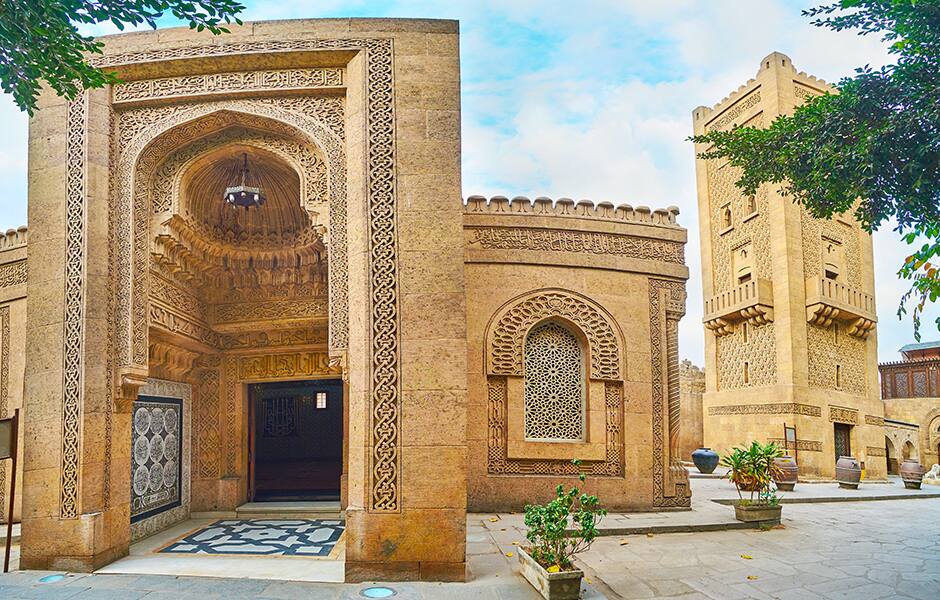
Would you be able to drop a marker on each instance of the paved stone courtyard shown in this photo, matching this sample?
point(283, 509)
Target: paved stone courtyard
point(850, 550)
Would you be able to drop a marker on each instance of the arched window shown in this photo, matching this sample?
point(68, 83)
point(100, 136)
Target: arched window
point(726, 219)
point(554, 384)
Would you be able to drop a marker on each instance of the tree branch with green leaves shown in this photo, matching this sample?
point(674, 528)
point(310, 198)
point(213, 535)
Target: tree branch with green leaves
point(40, 39)
point(872, 149)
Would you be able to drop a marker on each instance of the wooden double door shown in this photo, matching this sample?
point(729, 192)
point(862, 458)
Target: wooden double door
point(296, 440)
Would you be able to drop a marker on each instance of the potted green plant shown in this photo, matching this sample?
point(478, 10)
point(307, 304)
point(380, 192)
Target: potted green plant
point(753, 470)
point(556, 532)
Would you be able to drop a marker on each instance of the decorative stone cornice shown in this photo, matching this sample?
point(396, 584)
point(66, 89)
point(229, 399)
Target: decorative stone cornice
point(874, 420)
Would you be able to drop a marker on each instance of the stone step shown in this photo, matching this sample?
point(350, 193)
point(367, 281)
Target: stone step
point(290, 510)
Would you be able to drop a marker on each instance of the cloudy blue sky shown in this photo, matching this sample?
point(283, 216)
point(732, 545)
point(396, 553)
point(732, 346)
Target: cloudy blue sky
point(592, 99)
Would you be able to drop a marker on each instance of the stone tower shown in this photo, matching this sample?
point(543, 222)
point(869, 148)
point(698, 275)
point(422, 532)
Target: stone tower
point(789, 303)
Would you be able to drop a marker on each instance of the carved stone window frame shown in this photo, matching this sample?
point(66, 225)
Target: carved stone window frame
point(602, 450)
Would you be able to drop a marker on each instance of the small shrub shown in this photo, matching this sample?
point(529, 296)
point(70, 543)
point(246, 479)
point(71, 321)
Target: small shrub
point(753, 470)
point(548, 524)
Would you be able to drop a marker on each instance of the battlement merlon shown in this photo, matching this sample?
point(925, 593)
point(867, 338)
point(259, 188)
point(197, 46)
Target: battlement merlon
point(776, 74)
point(568, 208)
point(13, 238)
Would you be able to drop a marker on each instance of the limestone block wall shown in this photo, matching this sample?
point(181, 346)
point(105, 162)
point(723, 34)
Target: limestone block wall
point(789, 301)
point(691, 388)
point(615, 275)
point(13, 275)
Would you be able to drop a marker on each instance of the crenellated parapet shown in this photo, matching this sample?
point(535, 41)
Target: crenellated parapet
point(13, 268)
point(568, 208)
point(13, 238)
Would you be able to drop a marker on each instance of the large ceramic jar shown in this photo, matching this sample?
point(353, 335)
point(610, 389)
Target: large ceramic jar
point(787, 475)
point(848, 472)
point(912, 472)
point(705, 460)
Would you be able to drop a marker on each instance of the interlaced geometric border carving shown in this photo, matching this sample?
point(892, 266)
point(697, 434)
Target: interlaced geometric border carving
point(74, 318)
point(207, 437)
point(497, 438)
point(507, 331)
point(4, 385)
point(667, 306)
point(381, 204)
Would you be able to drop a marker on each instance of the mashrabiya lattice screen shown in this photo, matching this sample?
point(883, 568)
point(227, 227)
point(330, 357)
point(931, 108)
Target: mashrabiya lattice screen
point(554, 384)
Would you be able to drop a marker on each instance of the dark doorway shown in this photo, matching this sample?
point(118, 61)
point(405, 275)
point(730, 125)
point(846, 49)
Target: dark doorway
point(843, 439)
point(296, 444)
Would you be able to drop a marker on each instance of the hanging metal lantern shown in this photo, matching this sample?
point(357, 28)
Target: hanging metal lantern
point(244, 194)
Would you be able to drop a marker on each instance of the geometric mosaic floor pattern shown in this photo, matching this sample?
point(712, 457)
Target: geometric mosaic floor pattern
point(271, 537)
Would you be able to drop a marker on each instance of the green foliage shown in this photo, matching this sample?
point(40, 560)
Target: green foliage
point(548, 525)
point(40, 40)
point(873, 148)
point(753, 470)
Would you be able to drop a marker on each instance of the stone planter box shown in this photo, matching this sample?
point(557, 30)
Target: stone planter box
point(553, 586)
point(757, 513)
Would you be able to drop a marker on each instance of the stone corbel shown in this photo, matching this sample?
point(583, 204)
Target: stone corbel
point(860, 328)
point(338, 361)
point(758, 315)
point(131, 380)
point(720, 327)
point(821, 314)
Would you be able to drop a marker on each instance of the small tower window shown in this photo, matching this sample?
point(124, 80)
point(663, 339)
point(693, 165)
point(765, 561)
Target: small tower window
point(747, 374)
point(744, 329)
point(838, 377)
point(726, 220)
point(751, 204)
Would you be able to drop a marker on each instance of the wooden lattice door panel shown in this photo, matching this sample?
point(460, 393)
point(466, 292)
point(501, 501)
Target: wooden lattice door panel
point(843, 439)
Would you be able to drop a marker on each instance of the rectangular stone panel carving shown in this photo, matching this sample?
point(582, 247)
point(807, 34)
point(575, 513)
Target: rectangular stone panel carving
point(226, 83)
point(780, 408)
point(156, 447)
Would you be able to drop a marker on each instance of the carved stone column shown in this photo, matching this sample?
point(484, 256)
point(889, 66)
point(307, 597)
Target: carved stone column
point(76, 480)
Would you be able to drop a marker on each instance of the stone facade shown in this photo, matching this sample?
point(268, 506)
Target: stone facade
point(13, 274)
point(447, 322)
point(691, 389)
point(616, 278)
point(911, 393)
point(789, 302)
